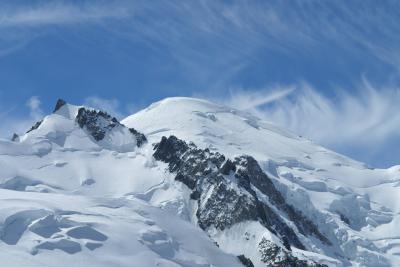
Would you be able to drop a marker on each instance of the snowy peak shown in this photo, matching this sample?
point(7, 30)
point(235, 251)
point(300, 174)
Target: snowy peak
point(262, 194)
point(76, 127)
point(60, 102)
point(66, 110)
point(217, 127)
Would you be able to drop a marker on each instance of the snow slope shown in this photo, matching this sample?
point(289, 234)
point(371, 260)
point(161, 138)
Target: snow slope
point(73, 230)
point(68, 199)
point(324, 185)
point(84, 189)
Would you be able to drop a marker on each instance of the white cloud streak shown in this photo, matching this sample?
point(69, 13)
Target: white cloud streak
point(244, 101)
point(206, 37)
point(212, 42)
point(365, 121)
point(20, 24)
point(58, 14)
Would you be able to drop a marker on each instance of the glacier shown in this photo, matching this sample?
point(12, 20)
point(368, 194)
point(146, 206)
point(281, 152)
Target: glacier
point(187, 182)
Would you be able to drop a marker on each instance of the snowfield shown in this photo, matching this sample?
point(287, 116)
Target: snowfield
point(83, 189)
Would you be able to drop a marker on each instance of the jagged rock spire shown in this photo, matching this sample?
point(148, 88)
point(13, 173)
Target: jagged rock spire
point(15, 137)
point(59, 104)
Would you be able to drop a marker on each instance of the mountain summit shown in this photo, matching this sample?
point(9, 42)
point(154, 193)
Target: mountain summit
point(187, 182)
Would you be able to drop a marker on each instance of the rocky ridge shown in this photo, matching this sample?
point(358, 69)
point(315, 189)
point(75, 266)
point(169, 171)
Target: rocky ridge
point(225, 191)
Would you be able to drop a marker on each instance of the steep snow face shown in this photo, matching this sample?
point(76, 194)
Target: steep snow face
point(355, 204)
point(235, 133)
point(216, 127)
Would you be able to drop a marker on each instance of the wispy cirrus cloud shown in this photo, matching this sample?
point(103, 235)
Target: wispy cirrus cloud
point(58, 13)
point(252, 100)
point(214, 44)
point(22, 23)
point(363, 124)
point(214, 37)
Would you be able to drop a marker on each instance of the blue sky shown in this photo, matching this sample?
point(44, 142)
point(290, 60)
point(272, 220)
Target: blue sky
point(328, 70)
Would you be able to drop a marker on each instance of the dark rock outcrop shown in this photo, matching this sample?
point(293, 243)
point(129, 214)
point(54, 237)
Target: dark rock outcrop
point(245, 261)
point(225, 191)
point(275, 256)
point(251, 171)
point(344, 218)
point(95, 122)
point(15, 137)
point(35, 126)
point(169, 150)
point(228, 167)
point(140, 138)
point(59, 104)
point(98, 123)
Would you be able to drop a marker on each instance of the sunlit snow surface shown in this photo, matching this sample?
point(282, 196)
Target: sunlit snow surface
point(69, 200)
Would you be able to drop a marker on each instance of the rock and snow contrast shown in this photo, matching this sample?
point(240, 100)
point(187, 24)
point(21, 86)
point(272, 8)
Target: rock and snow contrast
point(186, 182)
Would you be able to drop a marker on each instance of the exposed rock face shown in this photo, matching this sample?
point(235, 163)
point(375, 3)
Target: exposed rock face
point(252, 173)
point(15, 137)
point(95, 122)
point(226, 191)
point(275, 256)
point(170, 150)
point(34, 127)
point(140, 138)
point(245, 261)
point(59, 104)
point(98, 123)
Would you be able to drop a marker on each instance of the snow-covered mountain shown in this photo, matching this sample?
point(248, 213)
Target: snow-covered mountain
point(186, 182)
